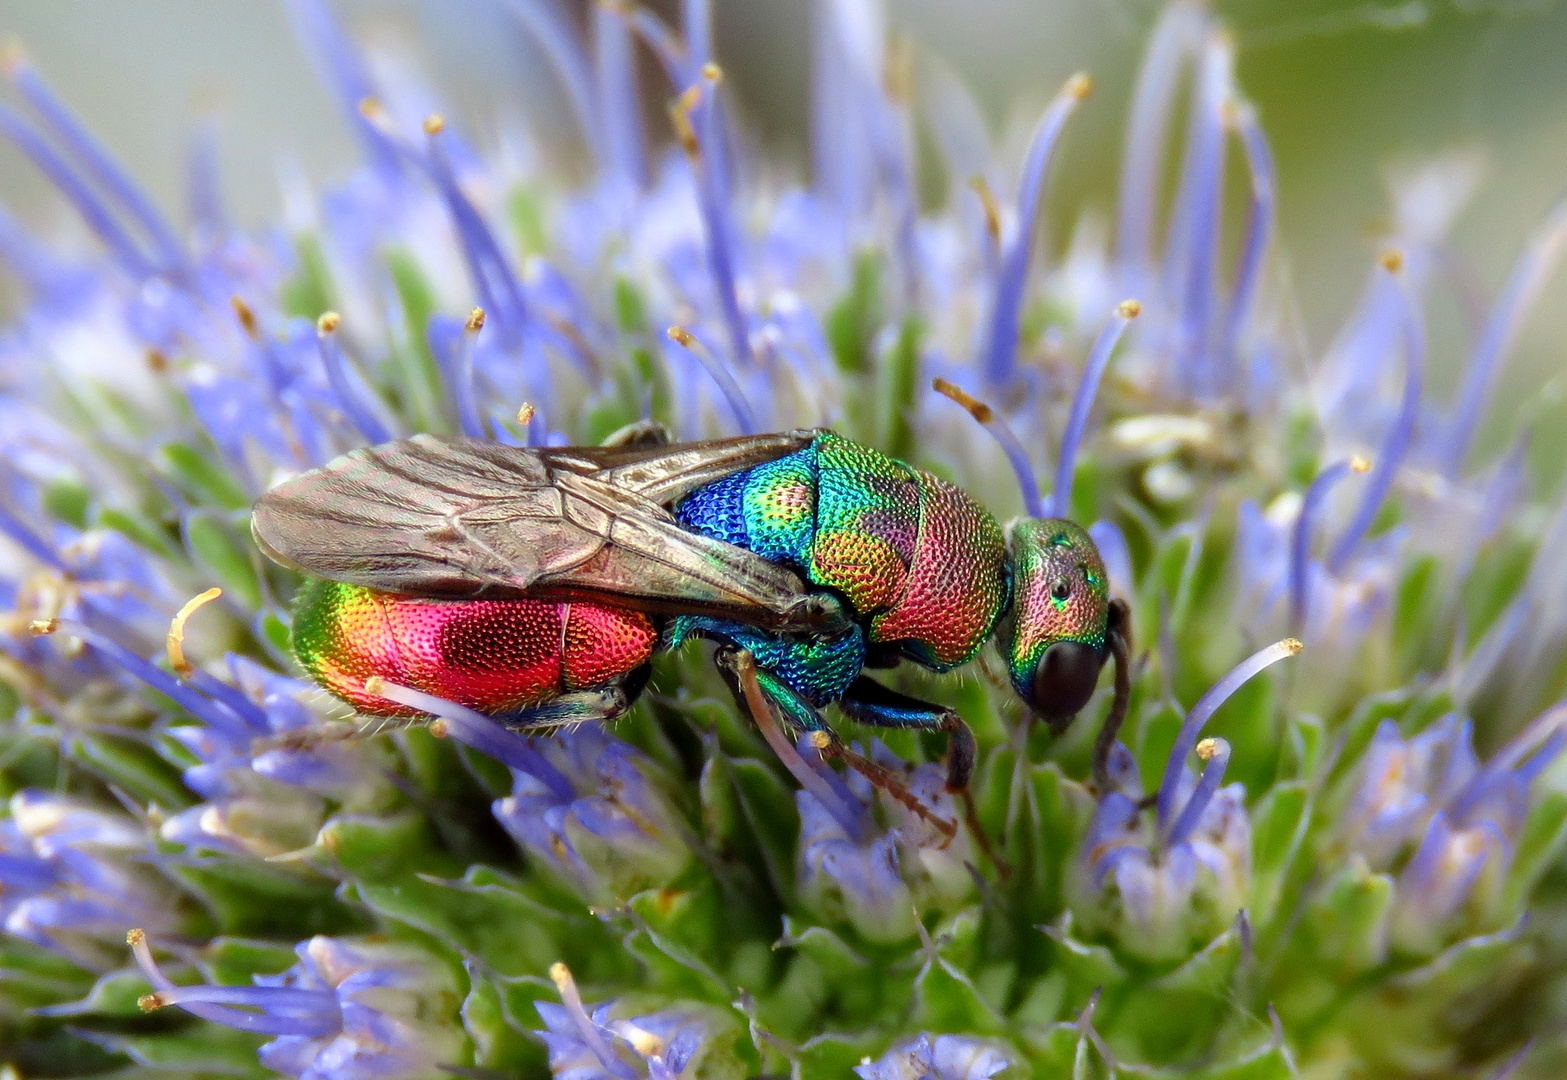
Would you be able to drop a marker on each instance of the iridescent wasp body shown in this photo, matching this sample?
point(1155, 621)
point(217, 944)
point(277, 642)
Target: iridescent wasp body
point(534, 584)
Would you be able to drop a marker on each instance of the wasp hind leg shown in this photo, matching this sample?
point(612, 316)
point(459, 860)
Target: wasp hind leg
point(764, 697)
point(603, 705)
point(869, 702)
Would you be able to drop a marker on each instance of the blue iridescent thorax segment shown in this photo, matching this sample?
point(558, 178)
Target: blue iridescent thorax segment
point(921, 564)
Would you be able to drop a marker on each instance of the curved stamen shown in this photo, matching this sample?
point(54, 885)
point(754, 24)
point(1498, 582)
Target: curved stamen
point(287, 1010)
point(1001, 348)
point(564, 52)
point(1402, 433)
point(1259, 224)
point(590, 1033)
point(482, 733)
point(1305, 524)
point(697, 122)
point(1203, 711)
point(359, 413)
point(721, 374)
point(1175, 40)
point(1540, 742)
point(658, 36)
point(99, 218)
point(1216, 752)
point(1192, 246)
point(213, 714)
point(93, 157)
point(1022, 468)
point(1529, 275)
point(342, 69)
point(468, 417)
point(620, 114)
point(1083, 403)
point(214, 688)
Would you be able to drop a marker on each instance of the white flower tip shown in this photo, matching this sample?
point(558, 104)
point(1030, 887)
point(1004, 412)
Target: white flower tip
point(1360, 464)
point(1079, 86)
point(1129, 309)
point(328, 322)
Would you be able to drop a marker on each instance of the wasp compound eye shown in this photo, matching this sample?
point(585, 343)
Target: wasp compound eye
point(1065, 679)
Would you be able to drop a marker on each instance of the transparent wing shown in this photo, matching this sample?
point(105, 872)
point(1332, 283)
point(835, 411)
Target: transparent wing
point(457, 517)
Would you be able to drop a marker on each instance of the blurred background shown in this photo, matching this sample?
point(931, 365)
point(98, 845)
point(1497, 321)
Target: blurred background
point(1346, 92)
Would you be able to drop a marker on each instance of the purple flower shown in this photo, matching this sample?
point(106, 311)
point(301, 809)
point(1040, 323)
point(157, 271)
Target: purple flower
point(1165, 886)
point(70, 877)
point(940, 1057)
point(345, 1011)
point(879, 877)
point(597, 1044)
point(1426, 810)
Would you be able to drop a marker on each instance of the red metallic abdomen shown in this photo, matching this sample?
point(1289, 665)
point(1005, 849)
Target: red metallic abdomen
point(496, 656)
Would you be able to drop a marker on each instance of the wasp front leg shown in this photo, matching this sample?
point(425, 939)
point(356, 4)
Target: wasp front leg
point(871, 703)
point(762, 696)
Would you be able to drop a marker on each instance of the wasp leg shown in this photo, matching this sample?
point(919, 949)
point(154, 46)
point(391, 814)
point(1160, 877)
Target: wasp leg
point(869, 702)
point(569, 710)
point(758, 691)
point(1119, 636)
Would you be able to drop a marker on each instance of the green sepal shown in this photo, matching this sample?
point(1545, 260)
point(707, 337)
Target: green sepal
point(196, 1049)
point(134, 766)
point(1176, 1015)
point(113, 996)
point(497, 1041)
point(249, 897)
point(380, 848)
point(1279, 824)
point(203, 478)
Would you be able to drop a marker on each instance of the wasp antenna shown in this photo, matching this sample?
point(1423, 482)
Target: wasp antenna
point(175, 642)
point(1083, 403)
point(1027, 479)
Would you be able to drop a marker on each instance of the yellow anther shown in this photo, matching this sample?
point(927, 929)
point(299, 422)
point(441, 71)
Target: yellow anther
point(43, 627)
point(1129, 309)
point(1207, 748)
point(1392, 260)
point(149, 1002)
point(712, 72)
point(1079, 85)
point(1360, 464)
point(247, 317)
point(475, 320)
point(976, 408)
point(175, 643)
point(820, 740)
point(987, 202)
point(525, 414)
point(135, 937)
point(1291, 646)
point(681, 336)
point(434, 124)
point(328, 322)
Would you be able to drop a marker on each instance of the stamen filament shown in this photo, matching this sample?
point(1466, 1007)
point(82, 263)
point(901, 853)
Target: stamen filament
point(1011, 445)
point(1402, 433)
point(1083, 402)
point(468, 417)
point(1001, 349)
point(590, 1032)
point(1305, 524)
point(1203, 711)
point(721, 374)
point(359, 413)
point(1216, 753)
point(482, 733)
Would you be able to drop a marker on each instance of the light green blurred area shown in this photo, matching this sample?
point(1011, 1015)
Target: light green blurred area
point(1345, 90)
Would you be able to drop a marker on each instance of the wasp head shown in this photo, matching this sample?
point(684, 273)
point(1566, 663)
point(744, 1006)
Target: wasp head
point(1055, 639)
